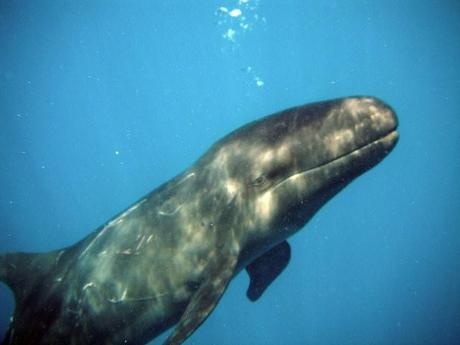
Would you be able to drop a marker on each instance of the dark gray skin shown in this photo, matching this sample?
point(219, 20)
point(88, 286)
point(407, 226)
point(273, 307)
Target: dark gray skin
point(168, 259)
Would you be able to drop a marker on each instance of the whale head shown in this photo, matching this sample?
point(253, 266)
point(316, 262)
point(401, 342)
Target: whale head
point(279, 170)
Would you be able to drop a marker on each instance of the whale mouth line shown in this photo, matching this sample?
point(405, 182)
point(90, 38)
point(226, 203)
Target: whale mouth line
point(389, 136)
point(389, 139)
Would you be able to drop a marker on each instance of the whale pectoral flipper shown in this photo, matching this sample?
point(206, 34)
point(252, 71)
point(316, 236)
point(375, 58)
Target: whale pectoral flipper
point(264, 270)
point(205, 298)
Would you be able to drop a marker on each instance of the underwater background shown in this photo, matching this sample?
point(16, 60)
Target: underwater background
point(101, 101)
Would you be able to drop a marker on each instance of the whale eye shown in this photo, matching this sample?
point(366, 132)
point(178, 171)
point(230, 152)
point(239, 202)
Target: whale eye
point(270, 177)
point(259, 181)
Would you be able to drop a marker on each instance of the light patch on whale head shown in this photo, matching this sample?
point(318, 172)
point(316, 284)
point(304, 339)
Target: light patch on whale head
point(283, 151)
point(357, 106)
point(267, 156)
point(232, 187)
point(224, 155)
point(264, 205)
point(338, 139)
point(381, 118)
point(380, 115)
point(353, 105)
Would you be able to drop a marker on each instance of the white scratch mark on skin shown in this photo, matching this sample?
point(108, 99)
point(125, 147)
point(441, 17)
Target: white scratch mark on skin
point(121, 299)
point(163, 213)
point(87, 285)
point(141, 242)
point(59, 256)
point(139, 299)
point(127, 252)
point(12, 334)
point(126, 213)
point(192, 174)
point(116, 221)
point(94, 240)
point(134, 207)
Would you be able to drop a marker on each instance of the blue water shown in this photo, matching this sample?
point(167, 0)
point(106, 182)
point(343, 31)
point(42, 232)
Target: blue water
point(102, 101)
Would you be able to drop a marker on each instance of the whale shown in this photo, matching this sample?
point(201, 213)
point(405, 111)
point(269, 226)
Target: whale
point(168, 258)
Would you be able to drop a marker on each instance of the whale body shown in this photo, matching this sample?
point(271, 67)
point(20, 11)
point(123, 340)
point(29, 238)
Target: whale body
point(168, 258)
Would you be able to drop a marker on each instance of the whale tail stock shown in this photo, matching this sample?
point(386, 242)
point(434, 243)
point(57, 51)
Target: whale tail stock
point(25, 274)
point(22, 270)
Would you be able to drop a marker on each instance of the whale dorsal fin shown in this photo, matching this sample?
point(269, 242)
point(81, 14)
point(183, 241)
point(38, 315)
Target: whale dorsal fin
point(266, 268)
